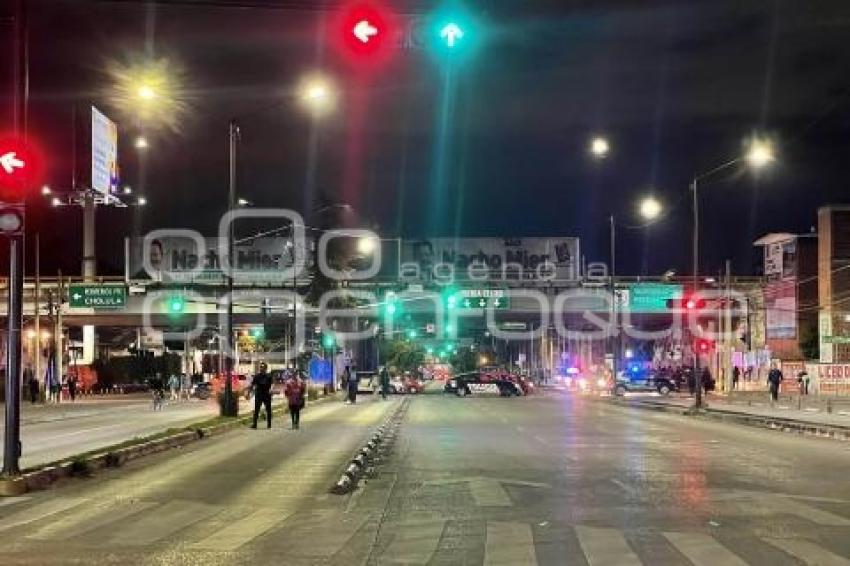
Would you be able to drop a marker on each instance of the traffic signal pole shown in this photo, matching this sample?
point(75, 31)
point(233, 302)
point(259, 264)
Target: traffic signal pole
point(697, 374)
point(12, 439)
point(227, 400)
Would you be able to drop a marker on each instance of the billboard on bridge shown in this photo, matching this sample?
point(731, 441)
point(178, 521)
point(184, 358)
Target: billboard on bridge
point(177, 259)
point(489, 259)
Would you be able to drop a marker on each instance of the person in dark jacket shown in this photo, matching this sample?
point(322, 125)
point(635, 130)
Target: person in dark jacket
point(774, 378)
point(32, 384)
point(262, 385)
point(384, 382)
point(736, 376)
point(352, 385)
point(296, 393)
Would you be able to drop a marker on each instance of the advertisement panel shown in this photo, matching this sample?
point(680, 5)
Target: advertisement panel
point(824, 335)
point(780, 301)
point(442, 260)
point(773, 260)
point(833, 379)
point(104, 152)
point(173, 259)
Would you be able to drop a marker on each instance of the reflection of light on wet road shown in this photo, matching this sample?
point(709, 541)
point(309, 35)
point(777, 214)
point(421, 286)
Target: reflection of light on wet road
point(691, 484)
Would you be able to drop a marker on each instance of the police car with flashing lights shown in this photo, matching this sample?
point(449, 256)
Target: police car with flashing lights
point(483, 384)
point(639, 379)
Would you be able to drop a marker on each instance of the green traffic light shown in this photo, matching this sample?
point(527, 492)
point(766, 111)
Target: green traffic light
point(328, 341)
point(451, 34)
point(411, 333)
point(257, 332)
point(176, 304)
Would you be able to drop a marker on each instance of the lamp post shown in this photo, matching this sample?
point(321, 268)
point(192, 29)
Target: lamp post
point(759, 154)
point(650, 209)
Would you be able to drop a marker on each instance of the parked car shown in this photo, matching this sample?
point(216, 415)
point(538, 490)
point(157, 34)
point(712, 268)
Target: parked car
point(201, 390)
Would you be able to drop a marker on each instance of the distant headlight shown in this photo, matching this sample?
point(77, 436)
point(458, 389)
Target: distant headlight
point(600, 382)
point(582, 383)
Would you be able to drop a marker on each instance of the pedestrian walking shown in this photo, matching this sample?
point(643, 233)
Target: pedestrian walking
point(157, 392)
point(296, 396)
point(32, 384)
point(736, 375)
point(352, 385)
point(262, 386)
point(173, 385)
point(803, 382)
point(774, 378)
point(384, 382)
point(72, 387)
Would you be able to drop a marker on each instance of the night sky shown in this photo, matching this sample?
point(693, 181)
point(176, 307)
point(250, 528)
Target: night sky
point(676, 86)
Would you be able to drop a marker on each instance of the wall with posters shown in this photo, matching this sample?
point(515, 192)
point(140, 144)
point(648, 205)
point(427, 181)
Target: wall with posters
point(490, 259)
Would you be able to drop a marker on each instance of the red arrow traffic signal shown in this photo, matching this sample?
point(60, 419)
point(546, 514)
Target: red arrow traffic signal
point(20, 168)
point(365, 32)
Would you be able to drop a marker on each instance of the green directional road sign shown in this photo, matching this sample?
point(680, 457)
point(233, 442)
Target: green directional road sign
point(94, 296)
point(836, 339)
point(483, 299)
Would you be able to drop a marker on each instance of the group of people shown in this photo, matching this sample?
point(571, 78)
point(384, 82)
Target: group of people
point(295, 391)
point(53, 391)
point(350, 384)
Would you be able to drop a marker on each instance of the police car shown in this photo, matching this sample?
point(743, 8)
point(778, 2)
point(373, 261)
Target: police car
point(481, 383)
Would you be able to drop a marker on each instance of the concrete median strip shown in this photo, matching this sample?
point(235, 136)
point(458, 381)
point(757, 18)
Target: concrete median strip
point(782, 424)
point(364, 460)
point(43, 476)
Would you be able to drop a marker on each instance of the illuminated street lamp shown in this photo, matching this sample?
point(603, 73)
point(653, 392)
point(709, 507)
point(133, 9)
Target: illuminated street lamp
point(599, 147)
point(141, 142)
point(650, 208)
point(142, 201)
point(759, 154)
point(317, 94)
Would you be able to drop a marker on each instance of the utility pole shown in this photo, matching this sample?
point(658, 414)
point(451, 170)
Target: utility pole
point(227, 407)
point(727, 336)
point(37, 309)
point(695, 275)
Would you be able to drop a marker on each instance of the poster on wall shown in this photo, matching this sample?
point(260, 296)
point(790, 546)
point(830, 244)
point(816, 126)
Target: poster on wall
point(824, 337)
point(773, 260)
point(780, 301)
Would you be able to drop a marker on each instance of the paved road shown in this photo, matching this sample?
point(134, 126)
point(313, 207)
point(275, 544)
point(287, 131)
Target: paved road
point(53, 432)
point(550, 479)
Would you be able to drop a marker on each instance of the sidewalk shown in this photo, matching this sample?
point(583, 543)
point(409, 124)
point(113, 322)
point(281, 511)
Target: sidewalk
point(779, 417)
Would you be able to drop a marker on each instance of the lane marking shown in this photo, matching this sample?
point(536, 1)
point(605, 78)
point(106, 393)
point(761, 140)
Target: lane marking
point(243, 531)
point(489, 493)
point(605, 547)
point(808, 552)
point(509, 544)
point(4, 501)
point(413, 543)
point(39, 511)
point(703, 550)
point(813, 514)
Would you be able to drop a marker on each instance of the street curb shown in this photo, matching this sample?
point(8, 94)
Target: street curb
point(372, 452)
point(802, 428)
point(43, 476)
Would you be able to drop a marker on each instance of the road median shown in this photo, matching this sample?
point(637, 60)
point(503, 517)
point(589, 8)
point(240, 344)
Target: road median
point(800, 426)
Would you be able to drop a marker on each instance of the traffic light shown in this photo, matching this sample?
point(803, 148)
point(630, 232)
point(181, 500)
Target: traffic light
point(411, 333)
point(257, 333)
point(686, 303)
point(328, 340)
point(176, 304)
point(704, 346)
point(11, 220)
point(20, 168)
point(366, 32)
point(391, 305)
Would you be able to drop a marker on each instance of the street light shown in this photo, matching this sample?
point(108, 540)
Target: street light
point(141, 142)
point(759, 154)
point(317, 94)
point(128, 189)
point(599, 147)
point(650, 208)
point(45, 190)
point(142, 201)
point(243, 202)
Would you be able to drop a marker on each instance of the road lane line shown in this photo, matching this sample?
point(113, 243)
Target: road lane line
point(813, 514)
point(413, 543)
point(489, 493)
point(808, 552)
point(39, 511)
point(703, 550)
point(89, 519)
point(243, 531)
point(605, 547)
point(161, 522)
point(509, 544)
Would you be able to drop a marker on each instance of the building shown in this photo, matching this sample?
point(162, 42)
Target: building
point(790, 295)
point(834, 283)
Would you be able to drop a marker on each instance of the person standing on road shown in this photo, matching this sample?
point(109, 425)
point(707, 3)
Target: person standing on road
point(803, 382)
point(736, 375)
point(173, 385)
point(774, 378)
point(296, 395)
point(352, 386)
point(262, 386)
point(384, 382)
point(72, 388)
point(32, 384)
